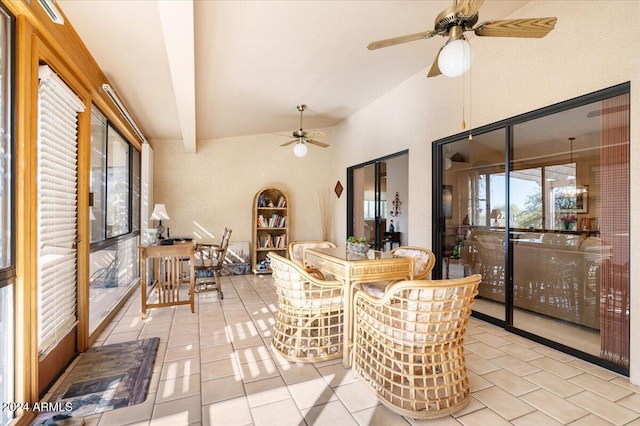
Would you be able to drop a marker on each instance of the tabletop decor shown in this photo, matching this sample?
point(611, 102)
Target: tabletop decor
point(359, 246)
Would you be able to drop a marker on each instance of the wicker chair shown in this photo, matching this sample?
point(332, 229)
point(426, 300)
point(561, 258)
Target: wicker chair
point(296, 253)
point(408, 345)
point(209, 260)
point(310, 318)
point(424, 260)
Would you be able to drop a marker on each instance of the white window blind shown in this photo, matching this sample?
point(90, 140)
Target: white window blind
point(58, 109)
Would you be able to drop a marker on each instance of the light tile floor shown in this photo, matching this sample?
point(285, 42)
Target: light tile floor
point(217, 367)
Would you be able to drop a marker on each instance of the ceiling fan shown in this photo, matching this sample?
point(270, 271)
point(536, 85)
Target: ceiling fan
point(302, 138)
point(454, 58)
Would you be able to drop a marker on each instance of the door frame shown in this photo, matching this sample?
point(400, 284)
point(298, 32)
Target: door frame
point(351, 193)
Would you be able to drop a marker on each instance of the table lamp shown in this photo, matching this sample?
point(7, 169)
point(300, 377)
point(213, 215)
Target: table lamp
point(159, 213)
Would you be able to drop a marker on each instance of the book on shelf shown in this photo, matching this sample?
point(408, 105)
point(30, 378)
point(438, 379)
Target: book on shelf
point(272, 241)
point(275, 221)
point(282, 202)
point(264, 201)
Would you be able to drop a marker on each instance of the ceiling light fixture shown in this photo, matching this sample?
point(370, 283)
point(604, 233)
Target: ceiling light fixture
point(300, 149)
point(50, 9)
point(455, 57)
point(123, 110)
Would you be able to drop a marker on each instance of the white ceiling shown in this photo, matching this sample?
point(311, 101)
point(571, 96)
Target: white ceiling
point(207, 69)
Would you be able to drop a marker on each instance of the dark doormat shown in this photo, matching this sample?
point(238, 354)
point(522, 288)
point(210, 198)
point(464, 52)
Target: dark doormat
point(105, 378)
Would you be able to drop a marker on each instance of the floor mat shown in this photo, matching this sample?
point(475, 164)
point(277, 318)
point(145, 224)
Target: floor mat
point(108, 377)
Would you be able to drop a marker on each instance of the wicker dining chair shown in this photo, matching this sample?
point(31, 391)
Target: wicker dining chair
point(408, 345)
point(296, 253)
point(209, 261)
point(310, 318)
point(423, 262)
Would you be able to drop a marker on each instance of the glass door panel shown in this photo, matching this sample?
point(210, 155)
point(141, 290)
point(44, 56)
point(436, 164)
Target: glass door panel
point(370, 203)
point(564, 256)
point(372, 190)
point(473, 210)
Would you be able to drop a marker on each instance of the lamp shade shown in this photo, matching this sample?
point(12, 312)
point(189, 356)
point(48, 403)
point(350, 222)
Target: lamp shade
point(455, 58)
point(159, 212)
point(300, 149)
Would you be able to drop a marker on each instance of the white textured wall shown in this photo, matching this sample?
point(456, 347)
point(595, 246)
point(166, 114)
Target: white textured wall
point(214, 188)
point(590, 49)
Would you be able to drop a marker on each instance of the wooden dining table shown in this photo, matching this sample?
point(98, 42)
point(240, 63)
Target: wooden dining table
point(355, 268)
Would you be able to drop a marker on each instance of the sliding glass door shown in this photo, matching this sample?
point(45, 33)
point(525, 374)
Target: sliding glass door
point(371, 190)
point(473, 215)
point(540, 207)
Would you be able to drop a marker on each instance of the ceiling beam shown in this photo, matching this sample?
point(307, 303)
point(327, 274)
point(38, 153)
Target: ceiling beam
point(176, 18)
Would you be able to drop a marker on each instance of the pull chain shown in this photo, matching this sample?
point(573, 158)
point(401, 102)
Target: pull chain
point(464, 125)
point(470, 108)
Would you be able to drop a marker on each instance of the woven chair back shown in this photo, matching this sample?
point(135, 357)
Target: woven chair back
point(424, 259)
point(296, 249)
point(409, 345)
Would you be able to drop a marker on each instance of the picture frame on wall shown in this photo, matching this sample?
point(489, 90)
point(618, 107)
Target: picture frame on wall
point(571, 199)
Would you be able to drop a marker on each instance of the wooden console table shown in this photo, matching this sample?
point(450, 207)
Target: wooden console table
point(391, 238)
point(168, 274)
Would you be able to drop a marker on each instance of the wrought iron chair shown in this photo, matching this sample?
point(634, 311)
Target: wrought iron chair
point(209, 261)
point(310, 319)
point(408, 345)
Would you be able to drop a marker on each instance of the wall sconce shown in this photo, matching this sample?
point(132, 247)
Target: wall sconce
point(395, 210)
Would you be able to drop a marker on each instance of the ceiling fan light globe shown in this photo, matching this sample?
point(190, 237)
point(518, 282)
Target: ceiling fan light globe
point(300, 149)
point(455, 58)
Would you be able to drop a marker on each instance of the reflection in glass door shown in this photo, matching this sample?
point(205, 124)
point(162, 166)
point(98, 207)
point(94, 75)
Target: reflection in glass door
point(368, 189)
point(473, 211)
point(570, 230)
point(370, 203)
point(540, 208)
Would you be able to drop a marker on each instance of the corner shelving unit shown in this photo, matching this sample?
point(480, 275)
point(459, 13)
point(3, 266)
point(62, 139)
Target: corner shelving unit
point(270, 227)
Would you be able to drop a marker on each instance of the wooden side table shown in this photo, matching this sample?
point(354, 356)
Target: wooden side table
point(168, 275)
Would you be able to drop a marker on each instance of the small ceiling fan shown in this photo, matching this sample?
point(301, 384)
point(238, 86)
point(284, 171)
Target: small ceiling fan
point(302, 138)
point(454, 58)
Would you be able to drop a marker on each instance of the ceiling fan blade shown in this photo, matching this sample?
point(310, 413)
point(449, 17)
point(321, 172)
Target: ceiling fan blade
point(289, 143)
point(315, 142)
point(316, 135)
point(435, 69)
point(468, 8)
point(530, 28)
point(401, 39)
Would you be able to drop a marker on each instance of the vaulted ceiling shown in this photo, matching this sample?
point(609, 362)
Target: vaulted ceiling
point(206, 69)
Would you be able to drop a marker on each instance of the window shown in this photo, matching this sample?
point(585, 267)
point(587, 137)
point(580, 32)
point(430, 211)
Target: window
point(57, 181)
point(118, 184)
point(115, 218)
point(7, 261)
point(98, 175)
